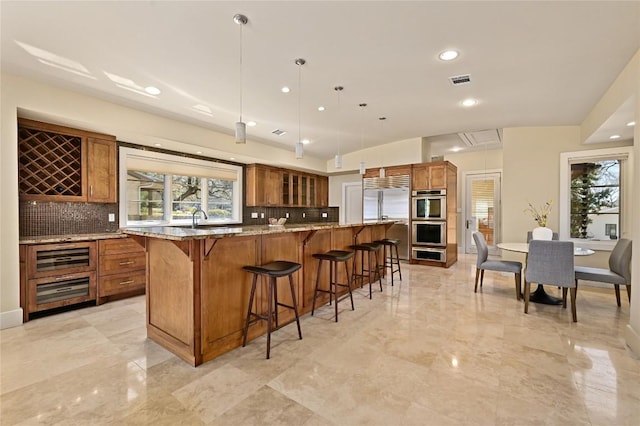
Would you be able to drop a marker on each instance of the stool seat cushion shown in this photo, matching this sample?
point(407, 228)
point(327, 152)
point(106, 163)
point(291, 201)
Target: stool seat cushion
point(335, 255)
point(366, 247)
point(388, 242)
point(278, 268)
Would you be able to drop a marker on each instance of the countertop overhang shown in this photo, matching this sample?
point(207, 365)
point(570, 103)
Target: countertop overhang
point(204, 232)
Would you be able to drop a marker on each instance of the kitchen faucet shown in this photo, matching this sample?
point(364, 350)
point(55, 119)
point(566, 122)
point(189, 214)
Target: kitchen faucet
point(198, 210)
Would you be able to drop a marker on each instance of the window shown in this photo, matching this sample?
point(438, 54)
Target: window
point(594, 210)
point(165, 189)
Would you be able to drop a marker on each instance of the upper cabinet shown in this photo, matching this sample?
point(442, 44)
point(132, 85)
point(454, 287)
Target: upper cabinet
point(63, 164)
point(430, 175)
point(272, 186)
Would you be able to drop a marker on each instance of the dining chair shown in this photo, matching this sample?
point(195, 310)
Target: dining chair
point(551, 262)
point(483, 263)
point(619, 271)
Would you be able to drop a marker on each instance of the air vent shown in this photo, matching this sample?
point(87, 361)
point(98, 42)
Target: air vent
point(460, 79)
point(482, 138)
point(400, 181)
point(279, 132)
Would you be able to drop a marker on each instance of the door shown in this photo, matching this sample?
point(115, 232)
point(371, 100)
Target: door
point(482, 209)
point(352, 202)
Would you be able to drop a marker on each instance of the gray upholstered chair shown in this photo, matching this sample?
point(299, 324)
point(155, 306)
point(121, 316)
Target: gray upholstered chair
point(483, 264)
point(551, 262)
point(619, 271)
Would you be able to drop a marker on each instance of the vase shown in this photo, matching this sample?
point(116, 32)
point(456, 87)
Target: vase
point(542, 233)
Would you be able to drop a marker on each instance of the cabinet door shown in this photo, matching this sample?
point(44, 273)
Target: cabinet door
point(101, 171)
point(437, 177)
point(322, 191)
point(419, 177)
point(274, 187)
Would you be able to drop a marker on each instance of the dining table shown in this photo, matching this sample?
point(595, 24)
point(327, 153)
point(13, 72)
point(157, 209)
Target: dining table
point(540, 295)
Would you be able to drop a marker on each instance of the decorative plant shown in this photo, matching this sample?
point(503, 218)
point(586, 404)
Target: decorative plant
point(540, 215)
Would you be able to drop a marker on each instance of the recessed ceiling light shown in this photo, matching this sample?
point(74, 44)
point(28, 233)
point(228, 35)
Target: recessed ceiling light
point(157, 144)
point(469, 102)
point(456, 149)
point(320, 108)
point(306, 141)
point(232, 158)
point(614, 137)
point(631, 123)
point(198, 152)
point(285, 89)
point(448, 55)
point(251, 123)
point(152, 90)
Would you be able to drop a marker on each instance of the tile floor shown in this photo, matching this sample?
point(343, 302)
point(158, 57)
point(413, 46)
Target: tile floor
point(427, 351)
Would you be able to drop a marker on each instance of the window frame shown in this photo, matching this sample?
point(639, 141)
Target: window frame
point(625, 155)
point(186, 162)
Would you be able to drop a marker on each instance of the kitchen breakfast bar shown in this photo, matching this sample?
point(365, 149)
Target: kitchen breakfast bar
point(198, 294)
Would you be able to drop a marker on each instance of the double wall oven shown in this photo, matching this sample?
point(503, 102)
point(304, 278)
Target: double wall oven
point(429, 225)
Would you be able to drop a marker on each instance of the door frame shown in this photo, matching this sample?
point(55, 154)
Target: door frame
point(466, 246)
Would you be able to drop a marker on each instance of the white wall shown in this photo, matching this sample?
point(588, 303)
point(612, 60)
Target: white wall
point(406, 151)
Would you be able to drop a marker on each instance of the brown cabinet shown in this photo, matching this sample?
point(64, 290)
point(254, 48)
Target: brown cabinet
point(122, 267)
point(55, 275)
point(57, 163)
point(271, 186)
point(429, 175)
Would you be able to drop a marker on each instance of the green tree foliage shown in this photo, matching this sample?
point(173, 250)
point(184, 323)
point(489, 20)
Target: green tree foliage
point(590, 192)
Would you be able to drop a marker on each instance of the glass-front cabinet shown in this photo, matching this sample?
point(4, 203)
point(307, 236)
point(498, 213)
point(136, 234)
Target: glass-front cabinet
point(292, 189)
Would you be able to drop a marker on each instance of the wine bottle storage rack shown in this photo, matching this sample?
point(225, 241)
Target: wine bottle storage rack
point(49, 163)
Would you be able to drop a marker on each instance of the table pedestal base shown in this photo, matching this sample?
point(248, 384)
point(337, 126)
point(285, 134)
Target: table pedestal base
point(541, 296)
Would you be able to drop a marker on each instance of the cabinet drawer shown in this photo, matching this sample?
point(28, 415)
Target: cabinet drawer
point(52, 292)
point(119, 245)
point(49, 260)
point(121, 283)
point(120, 263)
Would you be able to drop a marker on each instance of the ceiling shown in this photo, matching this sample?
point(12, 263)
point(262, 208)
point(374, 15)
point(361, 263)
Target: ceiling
point(531, 63)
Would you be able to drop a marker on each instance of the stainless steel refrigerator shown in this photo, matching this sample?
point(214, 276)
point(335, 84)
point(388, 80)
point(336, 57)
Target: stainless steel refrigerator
point(390, 204)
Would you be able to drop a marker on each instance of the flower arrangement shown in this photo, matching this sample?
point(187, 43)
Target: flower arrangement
point(540, 215)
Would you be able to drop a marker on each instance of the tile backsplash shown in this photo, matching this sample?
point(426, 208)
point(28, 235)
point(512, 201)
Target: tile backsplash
point(53, 218)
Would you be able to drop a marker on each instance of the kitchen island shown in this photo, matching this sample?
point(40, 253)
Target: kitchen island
point(197, 292)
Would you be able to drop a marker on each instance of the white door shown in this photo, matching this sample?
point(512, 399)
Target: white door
point(482, 209)
point(351, 202)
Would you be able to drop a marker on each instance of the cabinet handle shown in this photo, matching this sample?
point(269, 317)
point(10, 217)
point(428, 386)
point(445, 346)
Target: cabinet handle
point(58, 290)
point(64, 277)
point(127, 282)
point(91, 190)
point(63, 259)
point(127, 263)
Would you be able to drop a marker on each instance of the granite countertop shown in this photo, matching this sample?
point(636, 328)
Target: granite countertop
point(53, 239)
point(202, 232)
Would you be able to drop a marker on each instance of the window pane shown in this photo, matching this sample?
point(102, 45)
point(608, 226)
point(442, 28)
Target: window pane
point(186, 197)
point(145, 196)
point(219, 199)
point(595, 200)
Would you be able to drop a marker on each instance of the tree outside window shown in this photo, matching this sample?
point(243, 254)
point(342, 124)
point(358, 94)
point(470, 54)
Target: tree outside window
point(595, 200)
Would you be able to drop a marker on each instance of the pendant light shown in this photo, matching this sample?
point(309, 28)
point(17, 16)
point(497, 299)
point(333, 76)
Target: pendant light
point(383, 173)
point(241, 127)
point(299, 147)
point(338, 159)
point(362, 165)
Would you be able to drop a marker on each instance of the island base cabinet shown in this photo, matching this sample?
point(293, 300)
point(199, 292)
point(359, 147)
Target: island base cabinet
point(172, 297)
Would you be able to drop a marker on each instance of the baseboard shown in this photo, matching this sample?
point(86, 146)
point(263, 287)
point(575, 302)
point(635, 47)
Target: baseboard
point(633, 340)
point(10, 318)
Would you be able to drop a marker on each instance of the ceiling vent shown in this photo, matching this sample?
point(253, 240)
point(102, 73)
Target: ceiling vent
point(279, 132)
point(460, 79)
point(482, 138)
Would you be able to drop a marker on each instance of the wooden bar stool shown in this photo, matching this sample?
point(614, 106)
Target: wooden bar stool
point(333, 256)
point(370, 272)
point(273, 270)
point(392, 260)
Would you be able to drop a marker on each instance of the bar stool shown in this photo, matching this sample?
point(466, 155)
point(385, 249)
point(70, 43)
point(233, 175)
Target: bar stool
point(333, 256)
point(393, 260)
point(371, 271)
point(273, 270)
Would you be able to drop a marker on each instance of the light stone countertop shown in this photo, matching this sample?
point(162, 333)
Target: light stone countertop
point(203, 232)
point(54, 239)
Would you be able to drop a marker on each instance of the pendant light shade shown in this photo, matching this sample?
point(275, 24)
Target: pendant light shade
point(362, 168)
point(382, 171)
point(241, 127)
point(299, 147)
point(338, 158)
